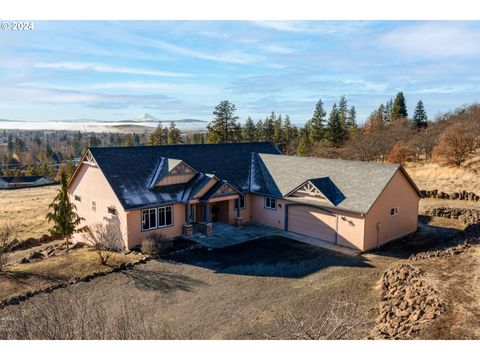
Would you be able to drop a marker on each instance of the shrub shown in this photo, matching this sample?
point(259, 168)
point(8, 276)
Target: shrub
point(7, 235)
point(105, 238)
point(156, 246)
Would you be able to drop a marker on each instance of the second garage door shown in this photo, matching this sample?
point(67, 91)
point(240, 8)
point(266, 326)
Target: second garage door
point(312, 222)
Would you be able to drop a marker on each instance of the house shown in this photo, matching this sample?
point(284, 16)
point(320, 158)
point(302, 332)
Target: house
point(180, 189)
point(8, 182)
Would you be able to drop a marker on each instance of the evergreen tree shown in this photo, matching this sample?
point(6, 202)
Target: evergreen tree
point(269, 127)
point(63, 213)
point(173, 134)
point(248, 130)
point(351, 119)
point(316, 125)
point(343, 110)
point(420, 119)
point(259, 131)
point(278, 134)
point(388, 112)
point(336, 132)
point(304, 146)
point(224, 127)
point(156, 137)
point(399, 109)
point(128, 140)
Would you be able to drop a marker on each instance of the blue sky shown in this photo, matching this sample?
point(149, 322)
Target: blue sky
point(182, 69)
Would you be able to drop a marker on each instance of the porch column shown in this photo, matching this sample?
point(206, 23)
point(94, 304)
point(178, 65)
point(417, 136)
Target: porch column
point(187, 227)
point(187, 214)
point(238, 219)
point(207, 212)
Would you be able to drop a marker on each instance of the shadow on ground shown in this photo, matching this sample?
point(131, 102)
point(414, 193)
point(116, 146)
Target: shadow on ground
point(270, 256)
point(163, 281)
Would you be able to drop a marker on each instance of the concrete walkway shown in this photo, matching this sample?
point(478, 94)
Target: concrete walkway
point(227, 235)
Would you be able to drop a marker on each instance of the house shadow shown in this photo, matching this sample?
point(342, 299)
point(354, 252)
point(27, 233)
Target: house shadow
point(270, 256)
point(164, 281)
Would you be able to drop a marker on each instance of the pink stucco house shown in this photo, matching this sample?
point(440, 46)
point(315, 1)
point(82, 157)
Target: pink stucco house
point(180, 189)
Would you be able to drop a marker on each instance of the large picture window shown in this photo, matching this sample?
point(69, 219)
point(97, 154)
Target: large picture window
point(165, 216)
point(149, 219)
point(271, 203)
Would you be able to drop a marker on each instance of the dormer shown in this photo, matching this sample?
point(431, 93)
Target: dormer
point(171, 172)
point(319, 189)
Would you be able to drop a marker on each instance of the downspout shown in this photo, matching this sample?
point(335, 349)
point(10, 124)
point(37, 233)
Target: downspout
point(378, 226)
point(336, 230)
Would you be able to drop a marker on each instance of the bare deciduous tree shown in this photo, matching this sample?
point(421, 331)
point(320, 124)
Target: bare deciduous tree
point(105, 238)
point(7, 235)
point(455, 144)
point(342, 320)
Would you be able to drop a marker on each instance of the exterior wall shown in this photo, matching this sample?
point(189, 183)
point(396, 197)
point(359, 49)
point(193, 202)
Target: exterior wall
point(245, 214)
point(91, 185)
point(136, 235)
point(176, 179)
point(269, 217)
point(351, 230)
point(398, 192)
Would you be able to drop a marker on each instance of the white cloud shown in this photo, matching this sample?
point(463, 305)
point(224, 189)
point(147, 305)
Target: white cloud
point(434, 39)
point(83, 66)
point(323, 27)
point(157, 86)
point(278, 49)
point(236, 56)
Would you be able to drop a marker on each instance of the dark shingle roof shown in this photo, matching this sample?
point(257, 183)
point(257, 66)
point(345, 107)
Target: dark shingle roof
point(129, 170)
point(22, 179)
point(360, 182)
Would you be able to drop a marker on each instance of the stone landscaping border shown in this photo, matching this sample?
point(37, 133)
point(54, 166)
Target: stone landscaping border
point(14, 300)
point(461, 195)
point(468, 216)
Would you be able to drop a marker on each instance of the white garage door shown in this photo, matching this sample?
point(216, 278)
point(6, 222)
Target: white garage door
point(312, 222)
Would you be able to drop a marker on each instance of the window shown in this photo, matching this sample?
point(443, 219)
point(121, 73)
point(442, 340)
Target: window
point(112, 210)
point(394, 211)
point(94, 206)
point(271, 203)
point(149, 219)
point(165, 216)
point(78, 198)
point(242, 203)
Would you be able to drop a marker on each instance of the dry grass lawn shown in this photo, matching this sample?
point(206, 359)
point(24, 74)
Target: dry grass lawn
point(20, 278)
point(27, 208)
point(449, 179)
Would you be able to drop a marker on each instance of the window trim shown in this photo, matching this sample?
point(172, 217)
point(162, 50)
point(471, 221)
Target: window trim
point(244, 203)
point(158, 216)
point(112, 210)
point(77, 198)
point(142, 217)
point(270, 207)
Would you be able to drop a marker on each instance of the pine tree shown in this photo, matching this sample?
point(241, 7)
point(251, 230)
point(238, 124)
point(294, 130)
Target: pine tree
point(343, 110)
point(388, 112)
point(173, 134)
point(128, 140)
point(248, 130)
point(269, 127)
point(224, 127)
point(316, 125)
point(336, 132)
point(399, 109)
point(351, 119)
point(63, 213)
point(259, 131)
point(303, 148)
point(155, 138)
point(420, 119)
point(278, 134)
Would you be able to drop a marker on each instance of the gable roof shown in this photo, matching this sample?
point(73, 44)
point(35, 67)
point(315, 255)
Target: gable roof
point(360, 182)
point(130, 170)
point(326, 187)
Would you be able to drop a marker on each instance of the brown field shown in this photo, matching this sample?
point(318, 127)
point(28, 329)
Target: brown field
point(449, 179)
point(26, 208)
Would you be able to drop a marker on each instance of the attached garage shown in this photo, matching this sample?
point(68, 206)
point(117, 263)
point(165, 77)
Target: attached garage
point(311, 221)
